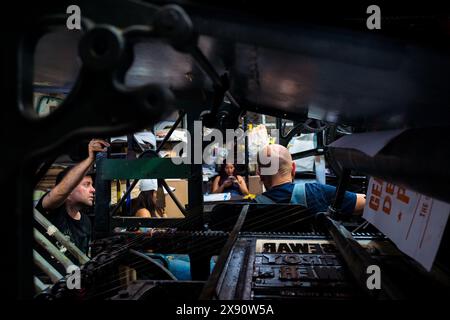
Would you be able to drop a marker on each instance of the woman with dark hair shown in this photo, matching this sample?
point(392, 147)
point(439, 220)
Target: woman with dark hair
point(229, 181)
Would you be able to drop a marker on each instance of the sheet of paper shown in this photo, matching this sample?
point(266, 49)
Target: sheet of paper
point(414, 222)
point(145, 137)
point(369, 142)
point(217, 197)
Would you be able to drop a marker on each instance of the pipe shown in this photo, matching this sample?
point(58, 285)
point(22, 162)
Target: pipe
point(54, 275)
point(39, 285)
point(50, 248)
point(174, 197)
point(144, 256)
point(73, 249)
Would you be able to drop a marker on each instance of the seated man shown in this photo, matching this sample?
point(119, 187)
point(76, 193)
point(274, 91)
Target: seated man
point(316, 197)
point(73, 191)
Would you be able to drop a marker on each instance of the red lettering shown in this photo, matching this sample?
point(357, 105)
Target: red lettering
point(377, 188)
point(387, 205)
point(374, 203)
point(390, 188)
point(401, 195)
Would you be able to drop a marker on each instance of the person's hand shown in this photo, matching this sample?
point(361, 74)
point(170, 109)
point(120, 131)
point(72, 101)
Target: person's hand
point(234, 180)
point(228, 183)
point(97, 145)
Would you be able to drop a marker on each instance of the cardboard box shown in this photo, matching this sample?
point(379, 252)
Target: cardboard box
point(255, 186)
point(181, 192)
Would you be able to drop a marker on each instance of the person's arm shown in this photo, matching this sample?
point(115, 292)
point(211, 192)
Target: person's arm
point(143, 213)
point(360, 203)
point(242, 185)
point(215, 185)
point(219, 189)
point(353, 203)
point(60, 192)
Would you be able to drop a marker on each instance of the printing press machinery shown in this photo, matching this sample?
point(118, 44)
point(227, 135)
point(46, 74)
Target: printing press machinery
point(215, 62)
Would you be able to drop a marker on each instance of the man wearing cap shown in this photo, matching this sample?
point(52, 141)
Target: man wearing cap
point(73, 191)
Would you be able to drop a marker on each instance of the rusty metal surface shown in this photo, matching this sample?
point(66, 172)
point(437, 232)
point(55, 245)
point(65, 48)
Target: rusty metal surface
point(286, 266)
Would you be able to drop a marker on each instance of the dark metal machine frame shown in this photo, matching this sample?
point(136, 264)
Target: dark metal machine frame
point(413, 96)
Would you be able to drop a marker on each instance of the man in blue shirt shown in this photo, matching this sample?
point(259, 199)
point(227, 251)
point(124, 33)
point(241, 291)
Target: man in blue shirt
point(280, 189)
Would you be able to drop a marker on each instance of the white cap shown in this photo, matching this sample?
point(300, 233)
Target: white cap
point(148, 184)
point(151, 184)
